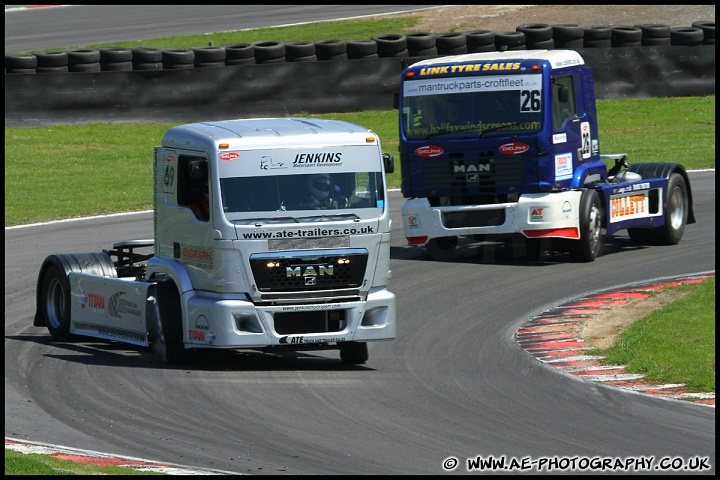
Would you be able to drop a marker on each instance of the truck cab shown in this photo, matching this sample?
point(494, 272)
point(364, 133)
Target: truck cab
point(501, 145)
point(268, 234)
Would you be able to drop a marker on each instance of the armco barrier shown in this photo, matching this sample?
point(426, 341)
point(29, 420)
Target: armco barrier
point(291, 88)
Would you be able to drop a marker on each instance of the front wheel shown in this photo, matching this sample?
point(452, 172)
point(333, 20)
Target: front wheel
point(442, 249)
point(170, 325)
point(354, 353)
point(587, 248)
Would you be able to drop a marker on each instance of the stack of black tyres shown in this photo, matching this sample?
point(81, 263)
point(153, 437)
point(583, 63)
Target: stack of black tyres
point(209, 56)
point(51, 62)
point(115, 59)
point(269, 51)
point(331, 49)
point(239, 54)
point(687, 36)
point(391, 45)
point(597, 37)
point(84, 60)
point(300, 52)
point(421, 44)
point(568, 35)
point(654, 34)
point(479, 41)
point(147, 58)
point(708, 29)
point(361, 49)
point(451, 43)
point(178, 59)
point(538, 36)
point(20, 63)
point(505, 41)
point(626, 36)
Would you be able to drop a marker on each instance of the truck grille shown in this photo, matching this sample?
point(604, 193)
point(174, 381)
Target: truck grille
point(486, 174)
point(309, 270)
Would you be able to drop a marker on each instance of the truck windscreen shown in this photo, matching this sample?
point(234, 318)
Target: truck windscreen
point(341, 191)
point(467, 107)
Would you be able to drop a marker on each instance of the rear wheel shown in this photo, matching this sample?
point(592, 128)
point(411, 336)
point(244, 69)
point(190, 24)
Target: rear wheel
point(587, 248)
point(442, 249)
point(676, 214)
point(55, 303)
point(354, 353)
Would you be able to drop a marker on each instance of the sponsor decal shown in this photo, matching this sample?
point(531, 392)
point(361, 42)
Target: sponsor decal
point(473, 67)
point(413, 221)
point(563, 166)
point(267, 163)
point(332, 159)
point(198, 256)
point(429, 151)
point(624, 207)
point(559, 138)
point(514, 148)
point(566, 209)
point(536, 215)
point(118, 306)
point(94, 301)
point(229, 156)
point(302, 340)
point(170, 157)
point(201, 333)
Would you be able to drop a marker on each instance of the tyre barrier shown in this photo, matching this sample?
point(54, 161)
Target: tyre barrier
point(708, 29)
point(115, 59)
point(146, 58)
point(537, 36)
point(300, 52)
point(414, 44)
point(451, 43)
point(178, 58)
point(391, 45)
point(362, 49)
point(626, 36)
point(52, 62)
point(421, 44)
point(239, 54)
point(84, 60)
point(654, 34)
point(479, 41)
point(505, 41)
point(209, 56)
point(269, 51)
point(332, 49)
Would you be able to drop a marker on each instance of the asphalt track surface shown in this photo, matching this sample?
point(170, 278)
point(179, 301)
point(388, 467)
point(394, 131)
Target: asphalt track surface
point(454, 383)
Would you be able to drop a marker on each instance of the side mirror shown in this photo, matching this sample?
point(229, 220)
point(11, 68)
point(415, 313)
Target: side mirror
point(563, 94)
point(389, 162)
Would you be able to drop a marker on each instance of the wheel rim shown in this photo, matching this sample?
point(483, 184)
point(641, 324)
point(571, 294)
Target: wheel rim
point(54, 303)
point(676, 207)
point(594, 225)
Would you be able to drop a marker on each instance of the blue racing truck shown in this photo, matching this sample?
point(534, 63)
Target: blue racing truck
point(504, 147)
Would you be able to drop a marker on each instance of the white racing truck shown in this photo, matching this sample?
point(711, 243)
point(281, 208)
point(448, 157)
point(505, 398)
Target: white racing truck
point(291, 250)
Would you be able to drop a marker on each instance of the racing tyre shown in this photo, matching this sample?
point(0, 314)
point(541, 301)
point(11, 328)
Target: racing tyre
point(53, 289)
point(442, 249)
point(676, 216)
point(354, 353)
point(54, 302)
point(588, 247)
point(169, 314)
